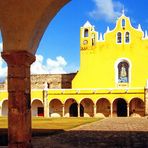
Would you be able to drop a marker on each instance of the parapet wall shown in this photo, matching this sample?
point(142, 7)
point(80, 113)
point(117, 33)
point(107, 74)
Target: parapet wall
point(53, 80)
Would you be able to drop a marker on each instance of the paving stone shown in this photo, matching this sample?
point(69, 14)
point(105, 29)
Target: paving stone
point(110, 132)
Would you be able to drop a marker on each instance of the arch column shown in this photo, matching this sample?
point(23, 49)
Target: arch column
point(19, 106)
point(78, 109)
point(95, 110)
point(63, 110)
point(111, 109)
point(46, 104)
point(128, 110)
point(146, 101)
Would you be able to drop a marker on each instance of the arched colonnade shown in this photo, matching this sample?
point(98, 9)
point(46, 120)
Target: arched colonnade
point(85, 107)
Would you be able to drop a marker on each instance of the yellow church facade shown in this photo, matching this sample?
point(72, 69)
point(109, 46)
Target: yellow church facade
point(111, 81)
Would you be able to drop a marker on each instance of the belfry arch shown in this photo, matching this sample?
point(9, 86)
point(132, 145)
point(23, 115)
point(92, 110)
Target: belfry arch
point(21, 36)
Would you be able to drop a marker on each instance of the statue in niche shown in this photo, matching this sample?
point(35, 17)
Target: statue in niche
point(123, 74)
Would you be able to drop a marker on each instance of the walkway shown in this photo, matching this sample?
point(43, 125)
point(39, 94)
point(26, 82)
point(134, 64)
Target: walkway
point(110, 132)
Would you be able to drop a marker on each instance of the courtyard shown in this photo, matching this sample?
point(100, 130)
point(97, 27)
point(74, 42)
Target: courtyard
point(110, 132)
point(85, 132)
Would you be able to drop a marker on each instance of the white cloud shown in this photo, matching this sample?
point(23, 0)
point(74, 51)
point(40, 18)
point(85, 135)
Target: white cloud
point(37, 67)
point(51, 67)
point(107, 10)
point(56, 66)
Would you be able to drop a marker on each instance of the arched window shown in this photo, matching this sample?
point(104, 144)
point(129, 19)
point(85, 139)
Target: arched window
point(119, 37)
point(123, 72)
point(86, 33)
point(93, 39)
point(127, 37)
point(123, 22)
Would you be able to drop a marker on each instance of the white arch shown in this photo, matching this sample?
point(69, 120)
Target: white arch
point(116, 68)
point(35, 104)
point(117, 35)
point(125, 37)
point(4, 107)
point(89, 98)
point(103, 98)
point(1, 102)
point(36, 99)
point(55, 99)
point(69, 99)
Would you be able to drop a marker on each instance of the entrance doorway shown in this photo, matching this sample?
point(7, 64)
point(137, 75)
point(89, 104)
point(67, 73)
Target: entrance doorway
point(73, 110)
point(40, 111)
point(121, 108)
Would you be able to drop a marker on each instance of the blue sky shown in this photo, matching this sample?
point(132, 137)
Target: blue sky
point(58, 51)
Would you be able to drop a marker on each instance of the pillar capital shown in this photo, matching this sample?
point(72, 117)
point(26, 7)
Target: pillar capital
point(20, 58)
point(18, 69)
point(146, 101)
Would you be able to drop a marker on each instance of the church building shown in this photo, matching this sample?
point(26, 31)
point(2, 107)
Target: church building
point(111, 81)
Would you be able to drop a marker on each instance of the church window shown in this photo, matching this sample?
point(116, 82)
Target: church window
point(123, 72)
point(119, 37)
point(127, 37)
point(123, 23)
point(93, 39)
point(86, 33)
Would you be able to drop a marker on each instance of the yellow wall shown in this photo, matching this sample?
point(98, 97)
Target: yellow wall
point(95, 95)
point(97, 63)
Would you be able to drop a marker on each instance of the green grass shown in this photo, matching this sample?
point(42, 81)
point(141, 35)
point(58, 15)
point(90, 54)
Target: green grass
point(53, 123)
point(45, 126)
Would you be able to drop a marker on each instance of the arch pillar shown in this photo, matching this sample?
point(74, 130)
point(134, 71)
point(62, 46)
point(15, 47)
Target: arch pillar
point(111, 109)
point(146, 101)
point(63, 110)
point(78, 109)
point(95, 110)
point(128, 110)
point(19, 106)
point(46, 104)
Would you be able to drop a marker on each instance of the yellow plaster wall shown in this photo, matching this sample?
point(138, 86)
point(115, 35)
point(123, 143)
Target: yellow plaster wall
point(110, 95)
point(3, 95)
point(97, 63)
point(37, 94)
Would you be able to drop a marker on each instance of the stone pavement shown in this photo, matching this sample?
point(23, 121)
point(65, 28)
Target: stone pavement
point(107, 133)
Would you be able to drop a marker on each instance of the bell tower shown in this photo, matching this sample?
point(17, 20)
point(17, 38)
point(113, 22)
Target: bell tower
point(88, 36)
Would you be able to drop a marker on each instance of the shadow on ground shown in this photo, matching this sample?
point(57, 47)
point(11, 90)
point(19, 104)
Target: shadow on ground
point(84, 139)
point(94, 139)
point(35, 133)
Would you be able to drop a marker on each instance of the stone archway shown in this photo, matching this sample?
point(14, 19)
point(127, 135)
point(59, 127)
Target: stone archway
point(37, 108)
point(120, 107)
point(103, 107)
point(88, 107)
point(67, 105)
point(55, 108)
point(136, 107)
point(20, 44)
point(73, 110)
point(5, 108)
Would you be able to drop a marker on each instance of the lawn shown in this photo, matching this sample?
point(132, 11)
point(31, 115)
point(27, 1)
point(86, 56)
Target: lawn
point(45, 126)
point(53, 123)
